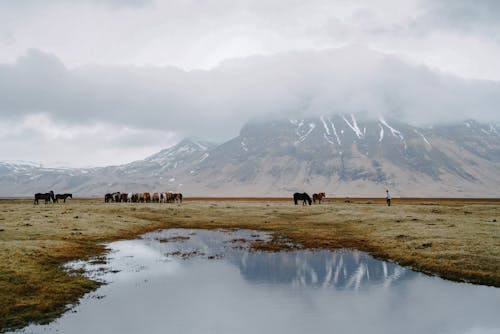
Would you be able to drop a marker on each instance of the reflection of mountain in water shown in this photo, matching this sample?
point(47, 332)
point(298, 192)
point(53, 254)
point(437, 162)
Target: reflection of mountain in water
point(341, 269)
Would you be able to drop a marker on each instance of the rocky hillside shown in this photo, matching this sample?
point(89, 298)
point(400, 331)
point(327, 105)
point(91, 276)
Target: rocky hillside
point(345, 156)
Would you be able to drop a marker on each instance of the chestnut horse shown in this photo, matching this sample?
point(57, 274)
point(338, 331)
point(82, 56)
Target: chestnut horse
point(318, 197)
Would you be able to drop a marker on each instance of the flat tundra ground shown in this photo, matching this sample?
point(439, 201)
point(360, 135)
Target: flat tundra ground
point(457, 239)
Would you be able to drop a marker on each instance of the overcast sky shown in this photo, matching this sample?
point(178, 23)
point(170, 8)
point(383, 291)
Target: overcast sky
point(99, 82)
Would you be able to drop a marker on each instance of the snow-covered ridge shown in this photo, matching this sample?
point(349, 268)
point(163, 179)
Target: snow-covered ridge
point(28, 166)
point(185, 147)
point(21, 163)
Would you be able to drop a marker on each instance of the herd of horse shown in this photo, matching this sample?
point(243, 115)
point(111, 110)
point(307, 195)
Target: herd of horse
point(48, 197)
point(166, 197)
point(305, 198)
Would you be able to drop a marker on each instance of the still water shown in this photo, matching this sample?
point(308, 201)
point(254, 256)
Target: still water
point(199, 281)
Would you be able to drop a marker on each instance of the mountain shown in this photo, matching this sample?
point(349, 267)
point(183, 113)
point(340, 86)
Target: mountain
point(343, 155)
point(25, 178)
point(347, 156)
point(19, 179)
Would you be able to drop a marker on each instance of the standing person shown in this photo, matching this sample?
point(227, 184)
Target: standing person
point(388, 197)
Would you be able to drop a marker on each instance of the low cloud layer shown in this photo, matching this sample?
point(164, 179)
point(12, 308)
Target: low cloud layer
point(214, 104)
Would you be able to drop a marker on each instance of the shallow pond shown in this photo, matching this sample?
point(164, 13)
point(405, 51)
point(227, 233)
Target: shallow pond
point(199, 281)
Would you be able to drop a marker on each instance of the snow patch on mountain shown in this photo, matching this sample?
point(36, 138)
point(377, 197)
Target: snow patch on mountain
point(354, 126)
point(205, 155)
point(394, 132)
point(243, 146)
point(302, 130)
point(381, 135)
point(423, 137)
point(329, 124)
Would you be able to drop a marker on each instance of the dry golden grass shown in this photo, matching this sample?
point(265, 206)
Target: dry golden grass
point(455, 239)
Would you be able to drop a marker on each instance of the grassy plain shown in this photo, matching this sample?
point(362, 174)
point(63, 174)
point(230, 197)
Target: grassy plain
point(456, 239)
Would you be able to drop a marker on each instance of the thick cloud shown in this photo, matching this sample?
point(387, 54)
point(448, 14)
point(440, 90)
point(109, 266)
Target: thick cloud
point(139, 67)
point(448, 34)
point(214, 104)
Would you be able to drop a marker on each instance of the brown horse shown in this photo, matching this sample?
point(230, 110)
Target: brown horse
point(124, 197)
point(168, 197)
point(318, 197)
point(140, 198)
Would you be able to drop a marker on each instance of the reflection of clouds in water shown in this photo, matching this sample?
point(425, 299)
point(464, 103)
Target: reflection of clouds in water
point(450, 307)
point(133, 259)
point(139, 251)
point(290, 292)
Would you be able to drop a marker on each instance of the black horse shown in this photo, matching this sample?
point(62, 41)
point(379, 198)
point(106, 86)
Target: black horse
point(47, 197)
point(303, 197)
point(108, 198)
point(63, 196)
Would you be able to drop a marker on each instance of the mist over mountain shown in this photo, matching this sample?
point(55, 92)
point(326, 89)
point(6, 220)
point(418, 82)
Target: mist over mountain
point(344, 155)
point(214, 104)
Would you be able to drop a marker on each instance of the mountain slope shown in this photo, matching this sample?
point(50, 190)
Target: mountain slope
point(343, 155)
point(25, 179)
point(346, 156)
